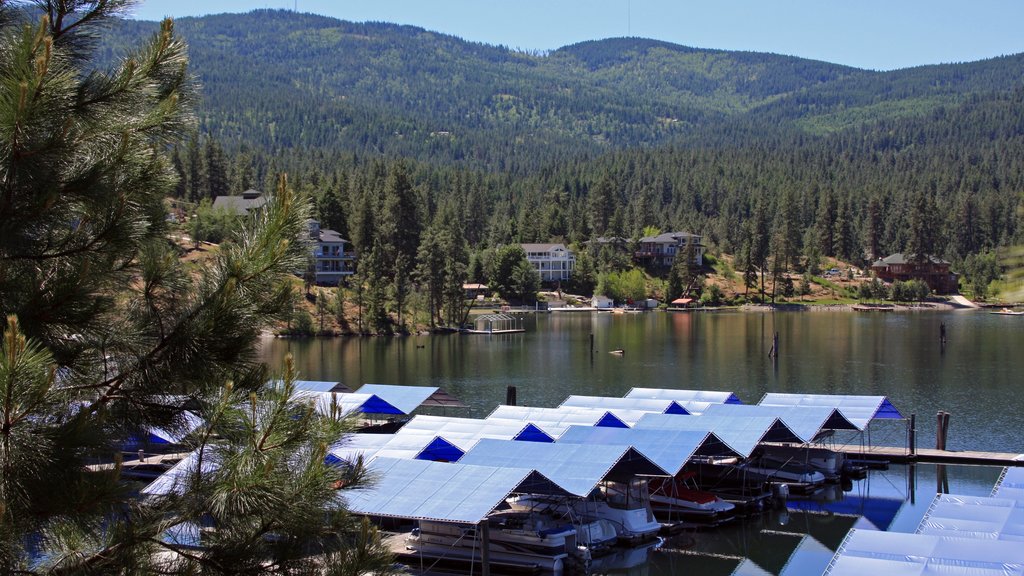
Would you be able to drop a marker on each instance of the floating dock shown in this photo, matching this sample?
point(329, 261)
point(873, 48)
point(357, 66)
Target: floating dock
point(902, 455)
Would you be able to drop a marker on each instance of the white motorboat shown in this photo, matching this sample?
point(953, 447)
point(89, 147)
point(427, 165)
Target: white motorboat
point(515, 538)
point(597, 535)
point(626, 506)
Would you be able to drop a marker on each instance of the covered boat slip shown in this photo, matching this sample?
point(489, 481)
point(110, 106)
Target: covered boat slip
point(633, 404)
point(870, 552)
point(709, 396)
point(974, 517)
point(1010, 483)
point(555, 421)
point(577, 468)
point(441, 491)
point(671, 450)
point(806, 422)
point(858, 409)
point(740, 434)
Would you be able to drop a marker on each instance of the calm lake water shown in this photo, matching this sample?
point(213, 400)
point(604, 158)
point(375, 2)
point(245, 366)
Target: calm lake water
point(976, 377)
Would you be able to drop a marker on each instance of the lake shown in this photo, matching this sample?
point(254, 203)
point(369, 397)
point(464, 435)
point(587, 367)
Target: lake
point(975, 377)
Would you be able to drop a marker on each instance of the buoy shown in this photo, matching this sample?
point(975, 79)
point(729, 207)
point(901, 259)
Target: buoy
point(618, 352)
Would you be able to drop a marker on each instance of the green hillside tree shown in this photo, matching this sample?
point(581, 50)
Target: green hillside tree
point(106, 334)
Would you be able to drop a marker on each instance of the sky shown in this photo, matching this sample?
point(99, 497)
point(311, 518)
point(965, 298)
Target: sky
point(872, 34)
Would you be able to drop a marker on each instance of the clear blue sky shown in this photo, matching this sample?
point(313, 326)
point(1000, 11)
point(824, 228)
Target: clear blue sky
point(876, 34)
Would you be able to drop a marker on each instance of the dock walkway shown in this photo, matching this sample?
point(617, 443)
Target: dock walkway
point(902, 455)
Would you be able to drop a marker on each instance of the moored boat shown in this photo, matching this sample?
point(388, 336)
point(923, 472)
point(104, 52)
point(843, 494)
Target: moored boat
point(675, 499)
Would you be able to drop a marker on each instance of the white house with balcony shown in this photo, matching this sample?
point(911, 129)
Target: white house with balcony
point(553, 262)
point(661, 250)
point(333, 256)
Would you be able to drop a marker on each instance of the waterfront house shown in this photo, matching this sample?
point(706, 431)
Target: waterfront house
point(241, 205)
point(660, 251)
point(333, 256)
point(553, 262)
point(474, 290)
point(932, 270)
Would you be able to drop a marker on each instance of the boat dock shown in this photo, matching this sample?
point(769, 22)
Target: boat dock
point(902, 455)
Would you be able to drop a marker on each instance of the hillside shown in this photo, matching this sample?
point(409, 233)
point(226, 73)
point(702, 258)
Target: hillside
point(279, 80)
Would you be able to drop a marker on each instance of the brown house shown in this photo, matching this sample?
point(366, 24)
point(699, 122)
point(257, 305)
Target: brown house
point(932, 270)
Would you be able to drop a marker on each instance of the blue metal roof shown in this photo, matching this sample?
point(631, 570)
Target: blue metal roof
point(399, 399)
point(669, 449)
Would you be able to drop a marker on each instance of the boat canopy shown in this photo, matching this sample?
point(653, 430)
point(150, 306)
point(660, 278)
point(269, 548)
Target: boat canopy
point(741, 434)
point(669, 449)
point(1010, 483)
point(685, 395)
point(321, 386)
point(578, 468)
point(810, 556)
point(369, 446)
point(859, 410)
point(873, 552)
point(655, 405)
point(405, 399)
point(974, 517)
point(347, 403)
point(554, 421)
point(806, 422)
point(439, 491)
point(173, 481)
point(190, 421)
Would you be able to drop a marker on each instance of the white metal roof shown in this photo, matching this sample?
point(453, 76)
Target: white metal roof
point(404, 398)
point(554, 421)
point(191, 422)
point(859, 410)
point(321, 386)
point(577, 468)
point(656, 405)
point(173, 481)
point(740, 433)
point(347, 403)
point(974, 517)
point(712, 396)
point(806, 422)
point(370, 446)
point(446, 492)
point(462, 433)
point(669, 449)
point(1010, 483)
point(891, 553)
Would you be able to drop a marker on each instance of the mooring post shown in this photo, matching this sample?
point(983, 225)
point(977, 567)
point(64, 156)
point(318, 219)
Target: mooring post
point(912, 434)
point(938, 431)
point(945, 429)
point(591, 343)
point(485, 548)
point(510, 396)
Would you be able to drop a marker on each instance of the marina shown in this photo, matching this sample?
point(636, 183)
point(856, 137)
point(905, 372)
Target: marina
point(552, 366)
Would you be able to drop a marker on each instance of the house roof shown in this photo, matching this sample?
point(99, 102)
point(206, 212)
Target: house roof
point(240, 204)
point(543, 247)
point(331, 236)
point(474, 286)
point(668, 237)
point(681, 301)
point(900, 258)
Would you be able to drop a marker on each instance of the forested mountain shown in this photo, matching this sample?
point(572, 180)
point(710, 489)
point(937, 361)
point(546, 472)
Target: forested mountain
point(276, 80)
point(779, 161)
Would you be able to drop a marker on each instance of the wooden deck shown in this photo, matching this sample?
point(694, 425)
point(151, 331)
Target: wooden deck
point(902, 455)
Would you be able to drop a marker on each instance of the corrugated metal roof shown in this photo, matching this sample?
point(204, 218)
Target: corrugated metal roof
point(658, 406)
point(974, 517)
point(740, 433)
point(806, 422)
point(669, 449)
point(870, 552)
point(403, 398)
point(578, 468)
point(858, 409)
point(712, 396)
point(554, 421)
point(321, 386)
point(445, 492)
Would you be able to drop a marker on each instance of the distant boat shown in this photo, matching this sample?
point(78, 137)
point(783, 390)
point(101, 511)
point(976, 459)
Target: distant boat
point(1007, 312)
point(618, 352)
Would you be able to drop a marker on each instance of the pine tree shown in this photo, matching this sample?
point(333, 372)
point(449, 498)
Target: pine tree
point(106, 334)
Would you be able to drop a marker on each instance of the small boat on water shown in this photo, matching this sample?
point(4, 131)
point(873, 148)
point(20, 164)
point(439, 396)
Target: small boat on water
point(1007, 312)
point(872, 308)
point(679, 498)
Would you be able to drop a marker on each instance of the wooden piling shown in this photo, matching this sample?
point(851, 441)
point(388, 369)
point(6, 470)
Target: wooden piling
point(912, 434)
point(510, 396)
point(485, 548)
